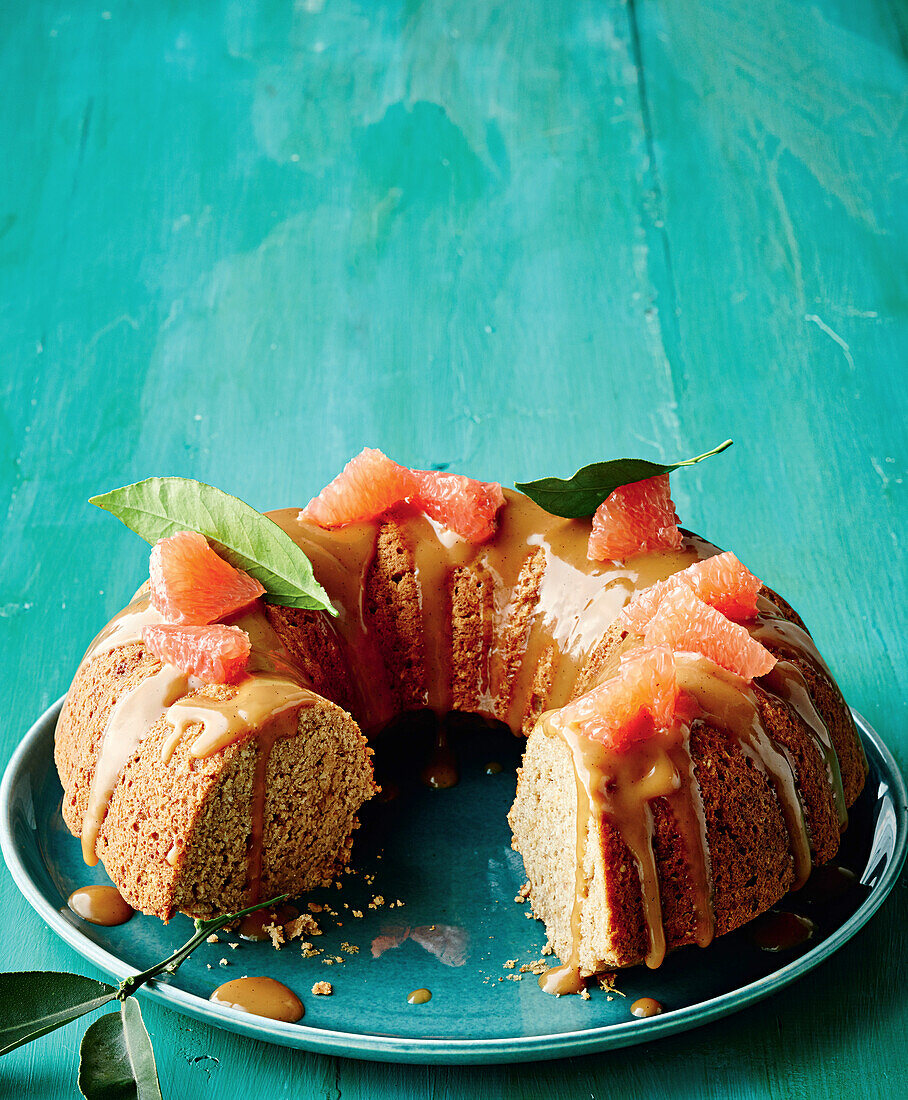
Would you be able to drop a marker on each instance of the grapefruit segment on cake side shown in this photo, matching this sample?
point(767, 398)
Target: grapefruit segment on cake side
point(685, 623)
point(215, 654)
point(640, 699)
point(721, 581)
point(192, 585)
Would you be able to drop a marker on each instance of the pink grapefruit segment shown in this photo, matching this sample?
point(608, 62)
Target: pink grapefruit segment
point(721, 581)
point(631, 706)
point(685, 623)
point(633, 519)
point(215, 654)
point(368, 485)
point(372, 483)
point(191, 584)
point(467, 507)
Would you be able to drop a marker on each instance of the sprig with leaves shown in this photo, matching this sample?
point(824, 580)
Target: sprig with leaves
point(580, 495)
point(160, 506)
point(116, 1059)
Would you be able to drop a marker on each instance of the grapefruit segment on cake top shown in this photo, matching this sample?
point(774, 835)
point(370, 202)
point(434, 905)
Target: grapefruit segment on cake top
point(215, 654)
point(368, 485)
point(633, 519)
point(463, 505)
point(685, 623)
point(372, 483)
point(632, 705)
point(192, 585)
point(721, 581)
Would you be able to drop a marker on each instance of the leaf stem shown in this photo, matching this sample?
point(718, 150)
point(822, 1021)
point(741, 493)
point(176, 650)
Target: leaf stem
point(707, 454)
point(204, 928)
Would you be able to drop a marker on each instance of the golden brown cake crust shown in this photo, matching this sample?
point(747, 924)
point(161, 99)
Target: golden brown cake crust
point(176, 832)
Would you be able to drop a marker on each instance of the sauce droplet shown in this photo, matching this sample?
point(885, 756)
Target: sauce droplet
point(827, 884)
point(782, 931)
point(646, 1007)
point(252, 927)
point(441, 771)
point(559, 980)
point(419, 997)
point(493, 768)
point(260, 997)
point(100, 905)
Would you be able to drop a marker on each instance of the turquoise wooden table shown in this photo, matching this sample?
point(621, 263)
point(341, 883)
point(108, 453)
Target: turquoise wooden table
point(241, 240)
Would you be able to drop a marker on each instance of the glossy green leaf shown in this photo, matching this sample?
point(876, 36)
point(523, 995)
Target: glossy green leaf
point(582, 494)
point(160, 506)
point(116, 1061)
point(34, 1002)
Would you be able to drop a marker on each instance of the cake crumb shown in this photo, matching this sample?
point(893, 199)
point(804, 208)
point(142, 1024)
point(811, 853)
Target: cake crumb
point(323, 989)
point(510, 964)
point(377, 902)
point(303, 925)
point(223, 962)
point(233, 946)
point(350, 948)
point(584, 994)
point(357, 912)
point(276, 932)
point(514, 977)
point(314, 907)
point(213, 938)
point(606, 982)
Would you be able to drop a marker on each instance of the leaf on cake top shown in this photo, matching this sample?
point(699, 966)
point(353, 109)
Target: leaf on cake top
point(581, 495)
point(160, 506)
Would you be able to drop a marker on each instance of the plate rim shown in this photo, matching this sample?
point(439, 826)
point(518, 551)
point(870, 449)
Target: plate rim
point(427, 1051)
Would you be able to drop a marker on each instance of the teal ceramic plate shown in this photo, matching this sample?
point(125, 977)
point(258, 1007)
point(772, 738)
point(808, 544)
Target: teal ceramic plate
point(446, 855)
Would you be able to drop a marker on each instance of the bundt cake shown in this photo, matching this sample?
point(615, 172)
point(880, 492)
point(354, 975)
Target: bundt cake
point(201, 798)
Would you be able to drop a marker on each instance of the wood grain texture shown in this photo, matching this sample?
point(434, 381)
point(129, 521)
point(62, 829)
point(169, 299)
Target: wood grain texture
point(238, 241)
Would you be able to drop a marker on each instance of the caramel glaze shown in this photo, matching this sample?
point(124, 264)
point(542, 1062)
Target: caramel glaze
point(569, 611)
point(782, 931)
point(260, 997)
point(646, 1007)
point(550, 609)
point(103, 905)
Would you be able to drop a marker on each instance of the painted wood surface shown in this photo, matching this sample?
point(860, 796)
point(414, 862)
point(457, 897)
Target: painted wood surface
point(240, 240)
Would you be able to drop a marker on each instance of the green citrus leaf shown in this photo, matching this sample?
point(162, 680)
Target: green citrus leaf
point(34, 1002)
point(160, 506)
point(116, 1060)
point(582, 494)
